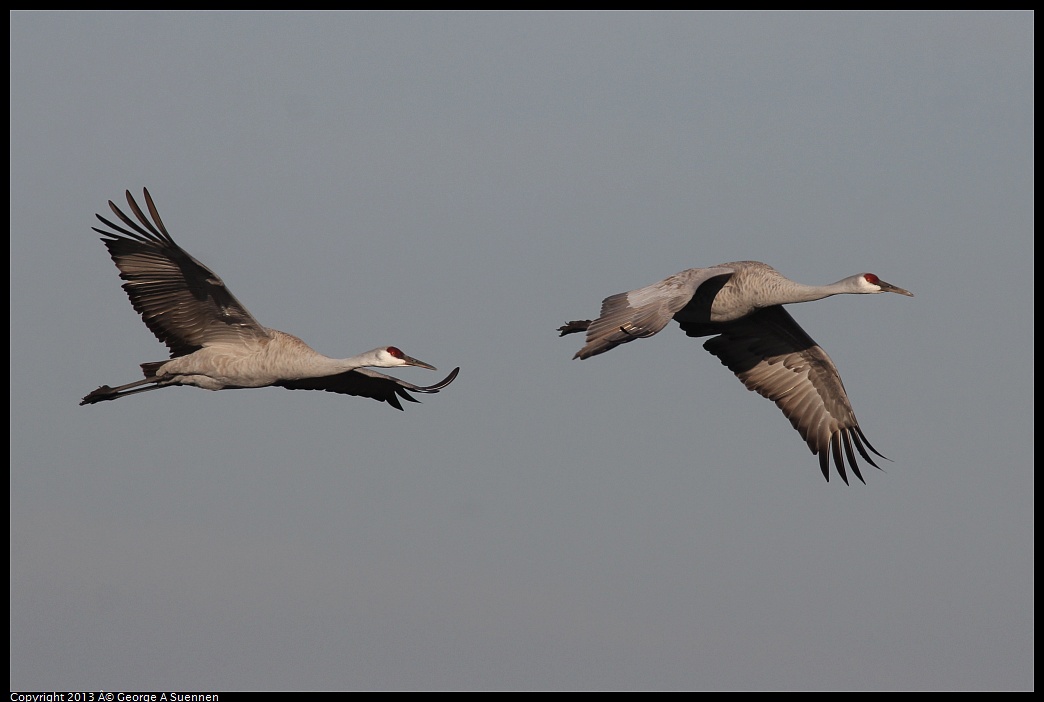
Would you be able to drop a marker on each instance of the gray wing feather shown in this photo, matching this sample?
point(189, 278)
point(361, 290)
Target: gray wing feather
point(643, 312)
point(181, 301)
point(774, 357)
point(363, 382)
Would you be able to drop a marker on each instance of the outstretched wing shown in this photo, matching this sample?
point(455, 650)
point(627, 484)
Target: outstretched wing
point(641, 313)
point(181, 301)
point(774, 357)
point(364, 382)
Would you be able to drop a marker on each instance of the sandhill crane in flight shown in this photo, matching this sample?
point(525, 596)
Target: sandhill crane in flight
point(741, 305)
point(214, 342)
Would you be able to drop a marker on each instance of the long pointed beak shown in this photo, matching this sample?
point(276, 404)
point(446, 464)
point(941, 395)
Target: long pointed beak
point(888, 287)
point(411, 361)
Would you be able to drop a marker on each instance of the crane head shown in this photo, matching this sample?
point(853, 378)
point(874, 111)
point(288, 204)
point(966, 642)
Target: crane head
point(393, 357)
point(872, 284)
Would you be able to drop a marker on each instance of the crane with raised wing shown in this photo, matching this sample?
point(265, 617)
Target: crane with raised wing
point(214, 342)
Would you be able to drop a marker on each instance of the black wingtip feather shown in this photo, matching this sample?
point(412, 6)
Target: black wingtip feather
point(851, 456)
point(835, 449)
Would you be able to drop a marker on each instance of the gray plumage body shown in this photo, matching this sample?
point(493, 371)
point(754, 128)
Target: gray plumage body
point(214, 342)
point(740, 304)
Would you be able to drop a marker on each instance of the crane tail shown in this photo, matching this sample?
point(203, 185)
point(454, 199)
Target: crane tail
point(574, 327)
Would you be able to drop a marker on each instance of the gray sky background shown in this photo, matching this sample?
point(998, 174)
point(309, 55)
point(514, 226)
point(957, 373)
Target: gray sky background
point(459, 184)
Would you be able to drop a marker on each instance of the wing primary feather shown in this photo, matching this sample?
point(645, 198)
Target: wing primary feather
point(363, 382)
point(141, 217)
point(138, 235)
point(835, 448)
point(846, 435)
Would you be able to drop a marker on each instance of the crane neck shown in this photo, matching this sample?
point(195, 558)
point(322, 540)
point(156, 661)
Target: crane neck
point(799, 292)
